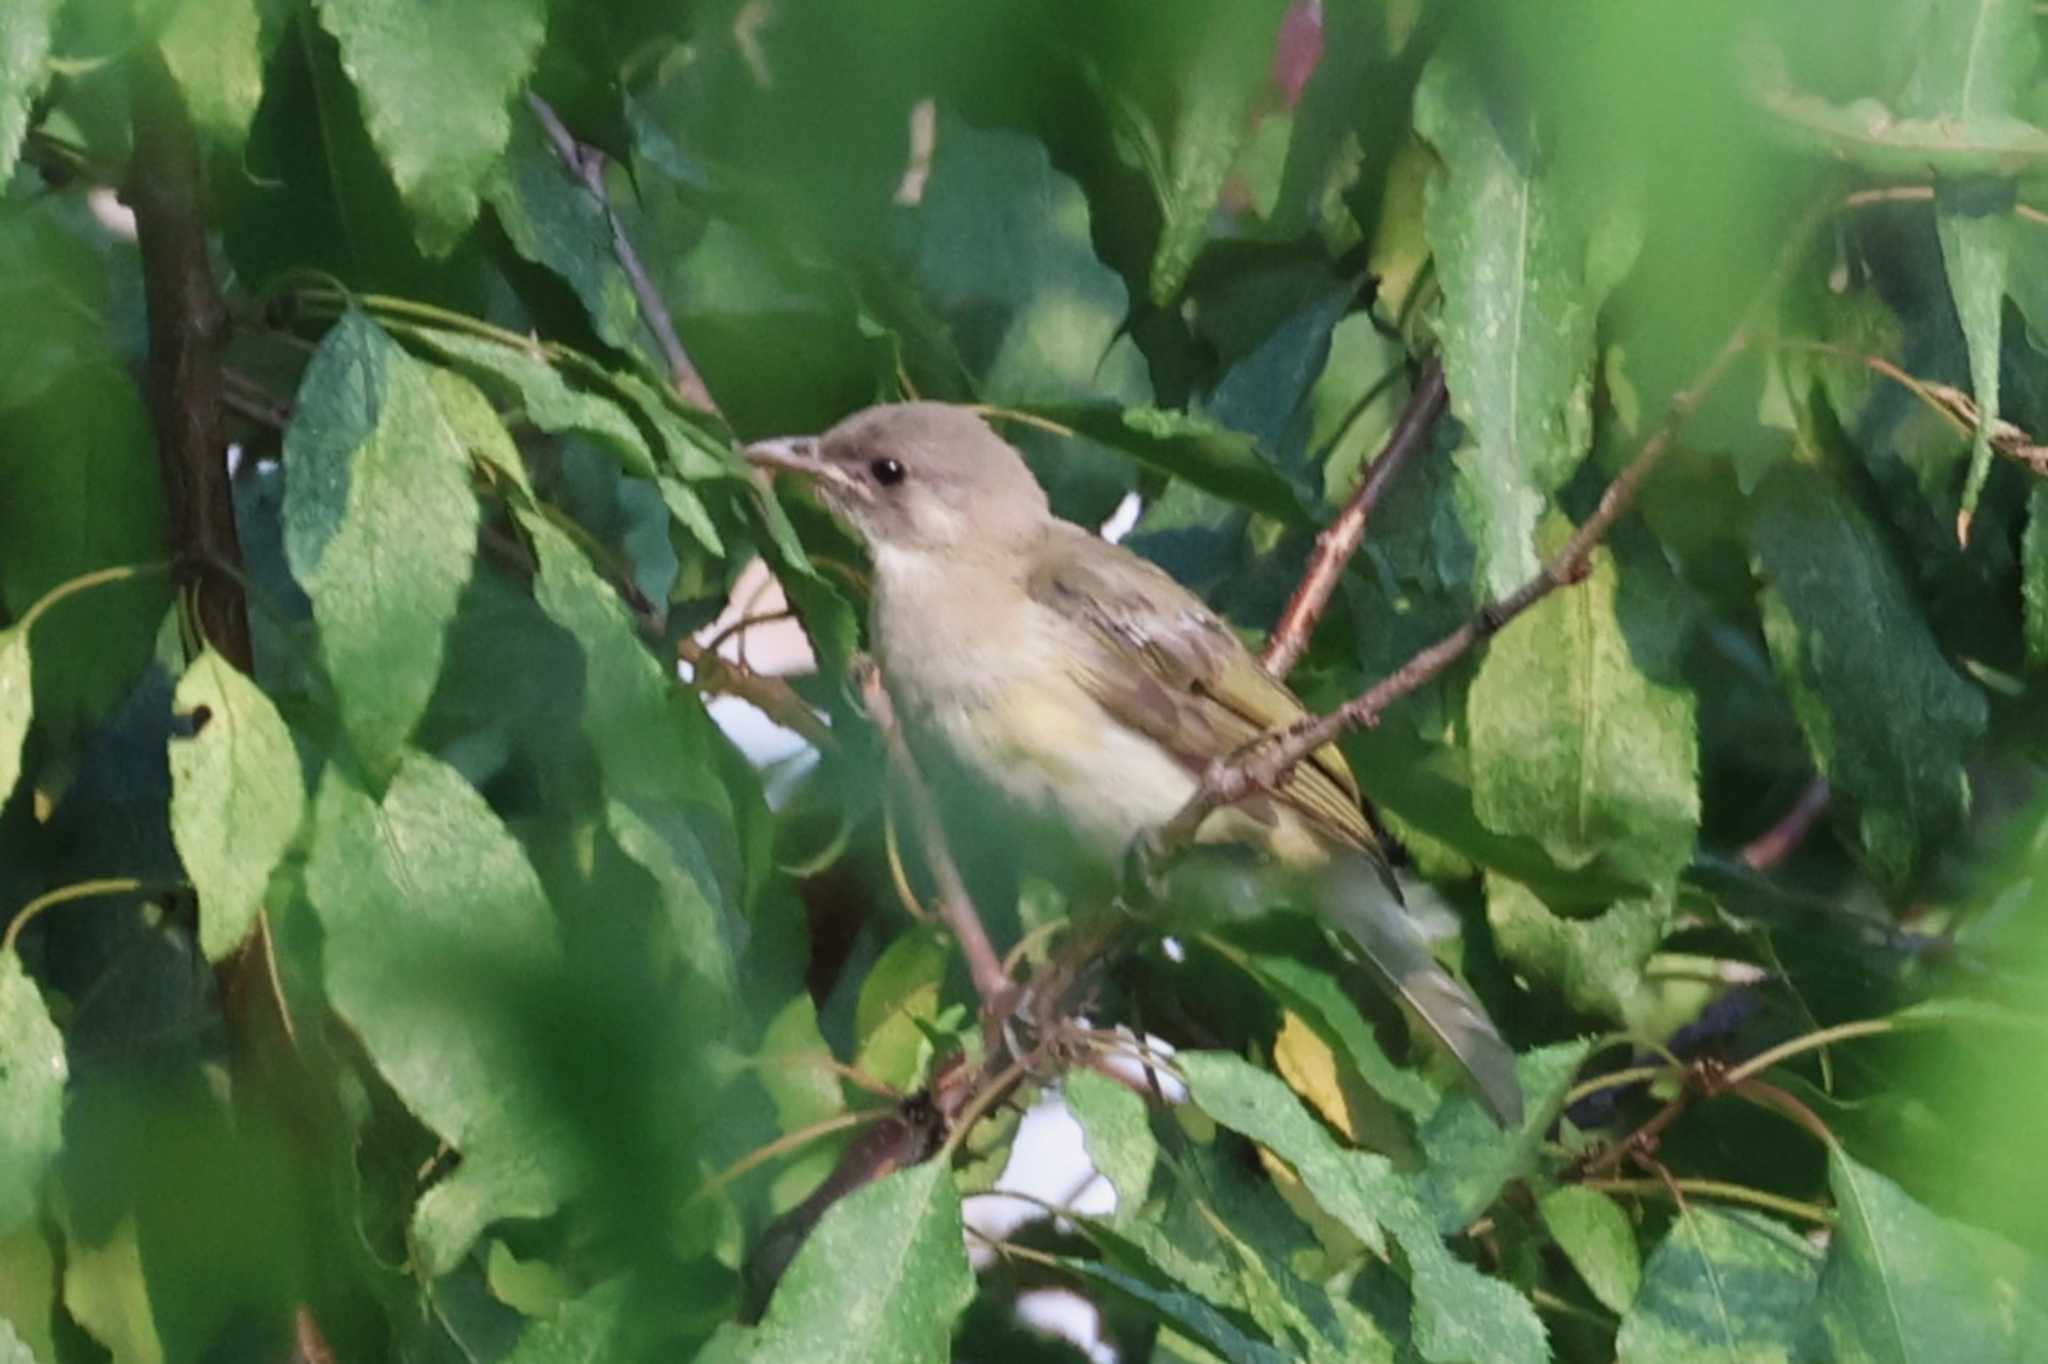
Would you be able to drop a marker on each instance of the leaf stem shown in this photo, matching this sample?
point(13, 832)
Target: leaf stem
point(1718, 1189)
point(99, 577)
point(80, 890)
point(1841, 1032)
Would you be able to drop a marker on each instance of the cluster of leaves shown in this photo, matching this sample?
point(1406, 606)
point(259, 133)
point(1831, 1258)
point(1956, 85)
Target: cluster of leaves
point(425, 974)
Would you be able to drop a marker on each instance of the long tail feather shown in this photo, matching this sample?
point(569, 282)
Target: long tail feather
point(1354, 896)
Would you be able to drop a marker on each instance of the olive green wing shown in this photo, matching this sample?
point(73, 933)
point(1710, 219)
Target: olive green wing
point(1163, 663)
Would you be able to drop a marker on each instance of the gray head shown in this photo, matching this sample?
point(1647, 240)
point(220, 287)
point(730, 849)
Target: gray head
point(918, 476)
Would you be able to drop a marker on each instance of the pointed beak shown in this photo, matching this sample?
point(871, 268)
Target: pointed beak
point(799, 455)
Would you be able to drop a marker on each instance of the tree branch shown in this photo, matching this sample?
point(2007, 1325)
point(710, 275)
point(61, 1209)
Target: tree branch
point(587, 163)
point(1340, 539)
point(1782, 839)
point(1263, 763)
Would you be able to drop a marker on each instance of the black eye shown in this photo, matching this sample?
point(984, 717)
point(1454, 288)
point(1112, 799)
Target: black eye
point(887, 472)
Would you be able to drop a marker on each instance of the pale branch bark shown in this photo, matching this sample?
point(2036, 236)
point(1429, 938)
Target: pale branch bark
point(587, 164)
point(772, 696)
point(1263, 763)
point(955, 906)
point(1340, 539)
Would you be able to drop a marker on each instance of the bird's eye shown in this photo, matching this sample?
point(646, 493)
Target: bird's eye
point(887, 472)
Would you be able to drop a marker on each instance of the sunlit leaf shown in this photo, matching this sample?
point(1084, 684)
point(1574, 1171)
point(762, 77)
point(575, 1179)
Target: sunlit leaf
point(17, 705)
point(32, 1072)
point(1117, 1134)
point(237, 796)
point(1720, 1288)
point(379, 526)
point(1596, 963)
point(214, 49)
point(1595, 1235)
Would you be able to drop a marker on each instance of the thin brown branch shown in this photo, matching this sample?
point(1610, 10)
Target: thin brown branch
point(955, 907)
point(1783, 838)
point(587, 163)
point(1340, 539)
point(775, 698)
point(1262, 764)
point(1924, 194)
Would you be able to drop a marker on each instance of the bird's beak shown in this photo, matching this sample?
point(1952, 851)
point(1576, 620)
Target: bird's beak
point(799, 455)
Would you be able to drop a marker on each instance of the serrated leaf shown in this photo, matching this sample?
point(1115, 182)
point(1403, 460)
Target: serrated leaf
point(32, 1074)
point(2034, 574)
point(237, 796)
point(380, 528)
point(1117, 1133)
point(214, 49)
point(880, 1280)
point(1574, 745)
point(1523, 281)
point(26, 30)
point(545, 397)
point(1471, 1159)
point(1185, 1312)
point(17, 705)
point(1597, 963)
point(555, 221)
point(435, 925)
point(1595, 1235)
point(436, 82)
point(1720, 1289)
point(1460, 1314)
point(1903, 1284)
point(1889, 722)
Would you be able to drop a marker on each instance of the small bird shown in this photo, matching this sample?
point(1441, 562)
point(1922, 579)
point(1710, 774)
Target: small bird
point(1090, 690)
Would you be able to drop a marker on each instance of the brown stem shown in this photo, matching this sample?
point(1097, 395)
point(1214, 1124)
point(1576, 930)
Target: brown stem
point(1782, 839)
point(774, 697)
point(587, 162)
point(1262, 764)
point(955, 906)
point(1340, 540)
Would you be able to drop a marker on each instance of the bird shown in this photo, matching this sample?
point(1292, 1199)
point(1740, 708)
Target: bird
point(1088, 690)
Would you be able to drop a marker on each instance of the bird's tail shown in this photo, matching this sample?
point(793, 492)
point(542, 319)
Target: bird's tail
point(1355, 895)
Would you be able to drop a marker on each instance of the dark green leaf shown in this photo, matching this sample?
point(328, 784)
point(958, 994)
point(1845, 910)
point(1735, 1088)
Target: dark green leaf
point(380, 528)
point(436, 926)
point(1523, 281)
point(237, 796)
point(2034, 574)
point(1595, 1235)
point(1574, 745)
point(880, 1280)
point(1721, 1287)
point(1182, 445)
point(1889, 721)
point(436, 83)
point(1185, 1312)
point(1902, 1284)
point(32, 1072)
point(555, 221)
point(545, 398)
point(25, 34)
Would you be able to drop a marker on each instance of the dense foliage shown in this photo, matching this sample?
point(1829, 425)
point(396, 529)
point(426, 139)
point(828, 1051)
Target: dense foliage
point(401, 962)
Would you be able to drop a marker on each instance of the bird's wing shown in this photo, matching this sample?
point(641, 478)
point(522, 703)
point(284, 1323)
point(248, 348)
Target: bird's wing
point(1164, 664)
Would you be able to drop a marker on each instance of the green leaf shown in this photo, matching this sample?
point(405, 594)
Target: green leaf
point(1595, 1235)
point(438, 938)
point(107, 1293)
point(2034, 574)
point(1596, 963)
point(237, 796)
point(1185, 1312)
point(380, 528)
point(1721, 1289)
point(17, 705)
point(82, 493)
point(215, 52)
point(1573, 744)
point(1117, 1133)
point(1889, 722)
point(32, 1073)
point(1471, 1159)
point(435, 82)
point(1003, 247)
point(880, 1280)
point(583, 1331)
point(555, 221)
point(1902, 1284)
point(796, 1066)
point(13, 1349)
point(1213, 458)
point(1523, 281)
point(545, 397)
point(901, 991)
point(1460, 1314)
point(26, 29)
